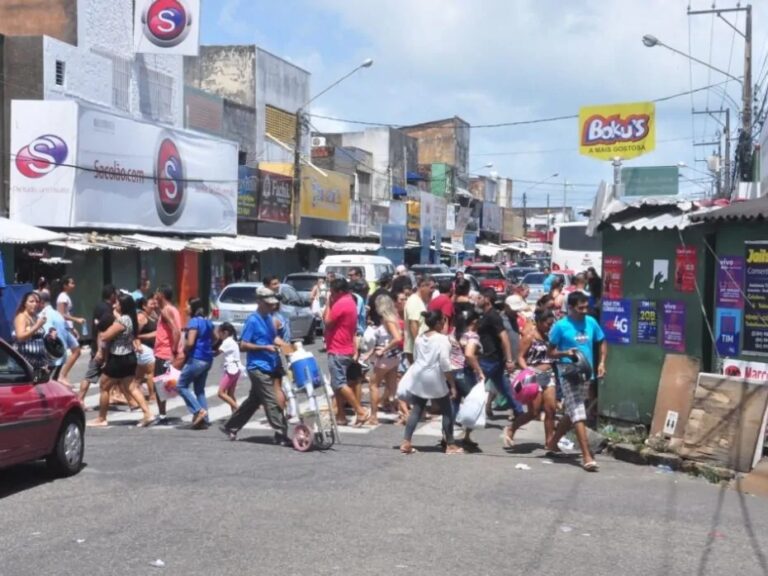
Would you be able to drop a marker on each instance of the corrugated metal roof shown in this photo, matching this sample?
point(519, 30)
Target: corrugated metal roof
point(677, 221)
point(756, 209)
point(14, 232)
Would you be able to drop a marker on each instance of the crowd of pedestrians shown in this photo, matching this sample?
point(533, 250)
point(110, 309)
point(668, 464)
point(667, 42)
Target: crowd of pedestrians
point(420, 348)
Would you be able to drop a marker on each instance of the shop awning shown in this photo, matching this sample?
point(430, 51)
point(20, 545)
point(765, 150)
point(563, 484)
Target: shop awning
point(14, 232)
point(488, 250)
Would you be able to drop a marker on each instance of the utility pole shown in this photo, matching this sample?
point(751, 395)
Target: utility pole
point(525, 214)
point(744, 150)
point(565, 195)
point(724, 189)
point(295, 203)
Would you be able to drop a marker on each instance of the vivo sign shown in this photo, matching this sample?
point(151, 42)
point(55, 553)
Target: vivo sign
point(106, 171)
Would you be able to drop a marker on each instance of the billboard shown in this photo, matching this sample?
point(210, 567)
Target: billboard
point(275, 191)
point(166, 27)
point(491, 218)
point(247, 191)
point(79, 167)
point(651, 181)
point(617, 130)
point(325, 195)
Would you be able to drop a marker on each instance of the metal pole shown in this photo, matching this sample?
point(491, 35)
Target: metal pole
point(565, 194)
point(525, 214)
point(718, 180)
point(616, 176)
point(295, 204)
point(746, 137)
point(728, 153)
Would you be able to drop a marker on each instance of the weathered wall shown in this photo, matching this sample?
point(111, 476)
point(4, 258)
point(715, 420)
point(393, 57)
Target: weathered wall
point(443, 142)
point(229, 71)
point(55, 18)
point(238, 125)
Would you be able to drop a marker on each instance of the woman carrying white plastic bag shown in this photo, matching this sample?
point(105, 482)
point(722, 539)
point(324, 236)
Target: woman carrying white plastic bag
point(429, 378)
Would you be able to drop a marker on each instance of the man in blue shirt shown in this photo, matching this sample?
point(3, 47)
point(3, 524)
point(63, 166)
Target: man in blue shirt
point(55, 321)
point(259, 341)
point(577, 331)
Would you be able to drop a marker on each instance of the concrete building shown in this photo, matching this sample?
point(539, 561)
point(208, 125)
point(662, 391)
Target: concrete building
point(444, 142)
point(347, 160)
point(77, 50)
point(260, 93)
point(394, 155)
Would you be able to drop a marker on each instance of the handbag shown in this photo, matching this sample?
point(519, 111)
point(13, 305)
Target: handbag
point(165, 385)
point(472, 411)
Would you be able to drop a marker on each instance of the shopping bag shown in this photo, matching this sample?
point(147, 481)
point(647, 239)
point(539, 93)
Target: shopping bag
point(165, 384)
point(472, 411)
point(403, 392)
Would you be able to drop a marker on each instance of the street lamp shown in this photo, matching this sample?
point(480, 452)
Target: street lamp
point(525, 199)
point(651, 42)
point(296, 220)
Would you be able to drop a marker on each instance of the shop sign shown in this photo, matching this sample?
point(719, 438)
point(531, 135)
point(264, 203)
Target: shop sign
point(470, 242)
point(507, 225)
point(166, 27)
point(685, 269)
point(651, 181)
point(756, 298)
point(617, 130)
point(745, 369)
point(80, 167)
point(674, 326)
point(613, 277)
point(398, 213)
point(379, 217)
point(617, 318)
point(730, 280)
point(727, 331)
point(275, 198)
point(247, 192)
point(647, 322)
point(426, 244)
point(393, 236)
point(491, 218)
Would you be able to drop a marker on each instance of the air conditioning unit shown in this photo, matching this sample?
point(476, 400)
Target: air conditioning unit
point(317, 141)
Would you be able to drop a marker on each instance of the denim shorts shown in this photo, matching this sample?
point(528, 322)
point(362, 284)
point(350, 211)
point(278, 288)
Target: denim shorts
point(337, 366)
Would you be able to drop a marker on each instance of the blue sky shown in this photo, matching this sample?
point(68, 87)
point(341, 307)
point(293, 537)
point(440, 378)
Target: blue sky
point(492, 61)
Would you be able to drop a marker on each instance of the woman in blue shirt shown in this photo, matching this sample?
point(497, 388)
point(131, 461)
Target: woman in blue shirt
point(198, 348)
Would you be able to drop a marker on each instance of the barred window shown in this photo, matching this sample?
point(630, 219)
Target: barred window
point(156, 94)
point(281, 124)
point(122, 71)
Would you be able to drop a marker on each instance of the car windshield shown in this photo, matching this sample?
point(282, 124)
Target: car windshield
point(535, 278)
point(487, 273)
point(238, 295)
point(301, 283)
point(289, 295)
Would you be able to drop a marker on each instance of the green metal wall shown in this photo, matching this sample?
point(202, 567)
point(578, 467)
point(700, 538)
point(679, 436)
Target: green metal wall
point(628, 391)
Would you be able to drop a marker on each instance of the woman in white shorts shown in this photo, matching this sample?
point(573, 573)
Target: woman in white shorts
point(145, 359)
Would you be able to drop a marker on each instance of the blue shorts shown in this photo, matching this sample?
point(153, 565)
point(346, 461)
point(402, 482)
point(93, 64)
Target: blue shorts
point(337, 366)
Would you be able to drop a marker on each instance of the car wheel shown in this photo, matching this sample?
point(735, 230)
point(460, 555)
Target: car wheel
point(67, 456)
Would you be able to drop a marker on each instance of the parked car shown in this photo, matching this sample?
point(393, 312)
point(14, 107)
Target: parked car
point(489, 276)
point(303, 283)
point(537, 263)
point(431, 269)
point(517, 273)
point(473, 283)
point(237, 301)
point(373, 267)
point(39, 418)
point(535, 282)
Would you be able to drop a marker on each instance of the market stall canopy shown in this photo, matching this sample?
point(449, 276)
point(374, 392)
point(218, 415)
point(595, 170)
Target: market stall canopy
point(756, 209)
point(14, 232)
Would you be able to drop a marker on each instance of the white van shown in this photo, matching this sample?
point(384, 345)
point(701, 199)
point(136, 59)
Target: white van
point(373, 267)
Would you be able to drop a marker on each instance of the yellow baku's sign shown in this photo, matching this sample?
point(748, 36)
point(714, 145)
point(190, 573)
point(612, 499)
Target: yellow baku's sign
point(617, 130)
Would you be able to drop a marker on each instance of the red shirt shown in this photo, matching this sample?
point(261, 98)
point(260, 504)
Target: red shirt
point(341, 331)
point(443, 303)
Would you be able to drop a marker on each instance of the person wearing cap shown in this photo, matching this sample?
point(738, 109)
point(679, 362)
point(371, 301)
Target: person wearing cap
point(401, 270)
point(262, 362)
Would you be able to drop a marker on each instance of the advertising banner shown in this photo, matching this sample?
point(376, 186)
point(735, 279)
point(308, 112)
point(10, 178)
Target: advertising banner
point(393, 236)
point(414, 220)
point(450, 218)
point(617, 130)
point(275, 193)
point(507, 225)
point(426, 243)
point(130, 175)
point(325, 197)
point(439, 224)
point(757, 371)
point(427, 210)
point(685, 269)
point(398, 213)
point(166, 27)
point(756, 298)
point(247, 192)
point(647, 322)
point(651, 181)
point(613, 277)
point(674, 326)
point(727, 331)
point(470, 243)
point(730, 279)
point(462, 220)
point(379, 217)
point(617, 318)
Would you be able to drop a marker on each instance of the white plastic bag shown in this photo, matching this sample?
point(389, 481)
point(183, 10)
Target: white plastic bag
point(165, 385)
point(472, 411)
point(403, 392)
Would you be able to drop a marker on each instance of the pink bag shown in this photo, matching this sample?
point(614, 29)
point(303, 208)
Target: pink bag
point(165, 385)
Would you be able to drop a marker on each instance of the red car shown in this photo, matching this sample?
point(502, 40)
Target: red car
point(38, 419)
point(489, 276)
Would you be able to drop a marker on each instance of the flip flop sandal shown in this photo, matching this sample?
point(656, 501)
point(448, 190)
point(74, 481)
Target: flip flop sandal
point(591, 466)
point(409, 452)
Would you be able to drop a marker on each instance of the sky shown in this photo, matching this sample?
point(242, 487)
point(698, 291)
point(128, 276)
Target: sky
point(496, 61)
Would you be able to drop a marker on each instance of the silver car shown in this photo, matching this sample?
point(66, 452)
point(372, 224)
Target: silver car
point(535, 282)
point(237, 301)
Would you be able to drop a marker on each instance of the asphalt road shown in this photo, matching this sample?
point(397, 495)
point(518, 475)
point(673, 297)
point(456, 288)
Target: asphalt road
point(207, 506)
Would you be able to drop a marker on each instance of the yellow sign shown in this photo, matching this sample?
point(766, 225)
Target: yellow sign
point(617, 130)
point(322, 196)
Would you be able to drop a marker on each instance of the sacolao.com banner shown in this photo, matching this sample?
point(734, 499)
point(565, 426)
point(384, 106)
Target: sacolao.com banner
point(617, 130)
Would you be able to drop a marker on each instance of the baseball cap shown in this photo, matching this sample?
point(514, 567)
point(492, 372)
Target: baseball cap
point(516, 303)
point(400, 270)
point(264, 293)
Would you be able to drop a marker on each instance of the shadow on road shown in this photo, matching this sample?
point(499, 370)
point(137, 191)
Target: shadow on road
point(24, 477)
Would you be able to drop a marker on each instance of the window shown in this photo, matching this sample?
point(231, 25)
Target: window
point(575, 238)
point(238, 295)
point(121, 83)
point(281, 124)
point(60, 71)
point(11, 372)
point(156, 94)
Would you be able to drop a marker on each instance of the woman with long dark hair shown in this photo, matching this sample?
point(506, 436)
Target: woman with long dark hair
point(117, 351)
point(386, 354)
point(29, 332)
point(198, 347)
point(430, 378)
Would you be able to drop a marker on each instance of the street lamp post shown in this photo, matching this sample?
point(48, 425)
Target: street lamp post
point(525, 200)
point(295, 204)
